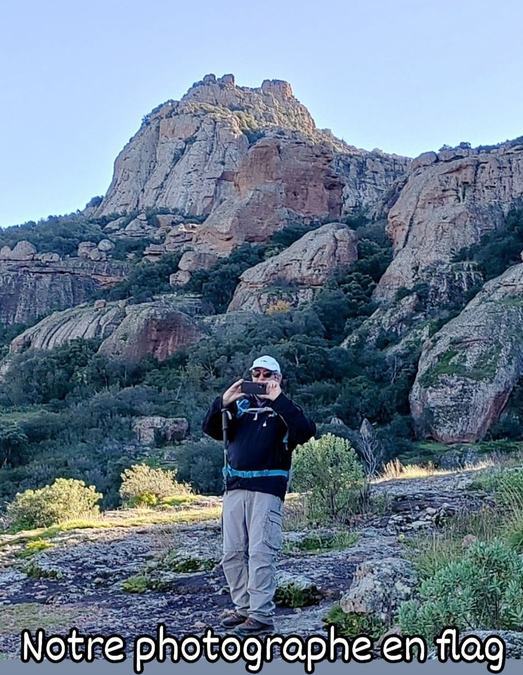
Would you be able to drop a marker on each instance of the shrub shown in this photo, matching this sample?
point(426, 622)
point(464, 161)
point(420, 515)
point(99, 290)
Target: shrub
point(483, 590)
point(352, 624)
point(65, 499)
point(296, 593)
point(144, 486)
point(329, 468)
point(200, 464)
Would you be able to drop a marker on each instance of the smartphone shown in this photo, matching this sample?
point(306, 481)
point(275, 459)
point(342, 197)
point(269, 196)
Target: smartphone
point(253, 387)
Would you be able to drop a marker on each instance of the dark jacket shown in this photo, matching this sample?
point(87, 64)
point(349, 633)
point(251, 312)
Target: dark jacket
point(260, 442)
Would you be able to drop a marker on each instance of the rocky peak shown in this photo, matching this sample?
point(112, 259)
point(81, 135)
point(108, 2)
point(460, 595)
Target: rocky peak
point(188, 155)
point(271, 104)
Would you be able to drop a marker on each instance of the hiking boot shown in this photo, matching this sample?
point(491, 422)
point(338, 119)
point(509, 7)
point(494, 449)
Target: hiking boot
point(253, 627)
point(233, 619)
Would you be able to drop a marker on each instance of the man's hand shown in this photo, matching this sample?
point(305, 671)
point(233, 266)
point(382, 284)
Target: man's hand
point(273, 390)
point(233, 393)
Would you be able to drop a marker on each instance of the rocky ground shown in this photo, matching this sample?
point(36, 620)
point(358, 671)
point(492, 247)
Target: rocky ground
point(78, 582)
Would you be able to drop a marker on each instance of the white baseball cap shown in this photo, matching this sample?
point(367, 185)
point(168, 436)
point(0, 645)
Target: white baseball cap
point(266, 362)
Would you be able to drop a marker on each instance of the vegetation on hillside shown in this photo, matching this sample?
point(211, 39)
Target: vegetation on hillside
point(69, 412)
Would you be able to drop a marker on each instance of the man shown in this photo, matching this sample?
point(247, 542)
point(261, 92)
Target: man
point(262, 431)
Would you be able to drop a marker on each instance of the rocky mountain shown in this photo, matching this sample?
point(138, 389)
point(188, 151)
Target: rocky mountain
point(127, 332)
point(227, 165)
point(248, 161)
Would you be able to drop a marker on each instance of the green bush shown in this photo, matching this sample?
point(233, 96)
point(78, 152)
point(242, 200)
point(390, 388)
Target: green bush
point(352, 624)
point(200, 464)
point(65, 499)
point(483, 591)
point(330, 470)
point(144, 486)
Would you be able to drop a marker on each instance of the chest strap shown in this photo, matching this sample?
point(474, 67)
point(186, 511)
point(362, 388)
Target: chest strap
point(261, 473)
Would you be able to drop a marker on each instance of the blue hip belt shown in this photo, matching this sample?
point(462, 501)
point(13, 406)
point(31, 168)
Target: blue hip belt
point(229, 471)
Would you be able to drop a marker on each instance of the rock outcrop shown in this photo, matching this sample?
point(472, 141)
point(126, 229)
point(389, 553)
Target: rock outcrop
point(127, 332)
point(297, 272)
point(247, 159)
point(449, 201)
point(379, 587)
point(152, 328)
point(30, 288)
point(468, 369)
point(154, 430)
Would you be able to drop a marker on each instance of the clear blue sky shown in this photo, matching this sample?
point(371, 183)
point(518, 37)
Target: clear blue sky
point(76, 77)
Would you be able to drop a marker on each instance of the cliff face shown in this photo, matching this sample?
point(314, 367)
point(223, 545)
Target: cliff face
point(449, 201)
point(247, 159)
point(468, 369)
point(32, 288)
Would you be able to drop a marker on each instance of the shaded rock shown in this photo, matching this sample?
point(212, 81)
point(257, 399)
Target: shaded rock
point(156, 329)
point(29, 289)
point(459, 458)
point(468, 369)
point(306, 264)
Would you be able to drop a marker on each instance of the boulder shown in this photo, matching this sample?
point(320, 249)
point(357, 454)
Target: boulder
point(85, 248)
point(105, 245)
point(468, 369)
point(23, 250)
point(155, 328)
point(305, 265)
point(155, 430)
point(379, 587)
point(128, 332)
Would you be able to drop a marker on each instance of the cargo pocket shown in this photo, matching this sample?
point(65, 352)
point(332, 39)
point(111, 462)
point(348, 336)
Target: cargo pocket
point(272, 531)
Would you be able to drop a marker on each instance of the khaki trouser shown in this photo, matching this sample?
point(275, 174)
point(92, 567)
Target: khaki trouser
point(252, 536)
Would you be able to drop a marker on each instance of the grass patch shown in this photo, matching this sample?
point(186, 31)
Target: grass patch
point(32, 615)
point(34, 570)
point(33, 547)
point(136, 518)
point(296, 593)
point(180, 500)
point(431, 553)
point(174, 561)
point(395, 470)
point(139, 583)
point(322, 541)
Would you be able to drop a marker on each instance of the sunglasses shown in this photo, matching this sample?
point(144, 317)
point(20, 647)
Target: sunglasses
point(259, 373)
